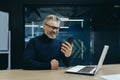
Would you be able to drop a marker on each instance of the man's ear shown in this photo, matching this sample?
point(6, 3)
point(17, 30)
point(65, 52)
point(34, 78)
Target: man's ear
point(43, 26)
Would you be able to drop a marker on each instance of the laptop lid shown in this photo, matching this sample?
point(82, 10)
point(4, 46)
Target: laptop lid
point(101, 60)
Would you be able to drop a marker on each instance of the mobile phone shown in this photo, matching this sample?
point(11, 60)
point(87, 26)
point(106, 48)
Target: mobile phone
point(70, 39)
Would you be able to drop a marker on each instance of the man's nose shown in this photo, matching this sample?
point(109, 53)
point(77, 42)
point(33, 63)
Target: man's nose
point(55, 30)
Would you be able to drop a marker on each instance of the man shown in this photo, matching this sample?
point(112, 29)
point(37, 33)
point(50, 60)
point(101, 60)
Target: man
point(45, 51)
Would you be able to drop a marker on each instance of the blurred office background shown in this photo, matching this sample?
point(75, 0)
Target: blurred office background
point(92, 24)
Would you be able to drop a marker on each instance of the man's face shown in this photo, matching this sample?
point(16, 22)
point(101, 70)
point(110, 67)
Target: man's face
point(51, 29)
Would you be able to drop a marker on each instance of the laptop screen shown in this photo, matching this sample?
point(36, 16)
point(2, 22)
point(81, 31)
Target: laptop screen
point(103, 55)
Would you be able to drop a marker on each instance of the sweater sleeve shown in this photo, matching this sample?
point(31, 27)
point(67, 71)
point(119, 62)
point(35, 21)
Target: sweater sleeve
point(29, 60)
point(66, 60)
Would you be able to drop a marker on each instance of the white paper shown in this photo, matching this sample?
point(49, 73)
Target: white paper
point(111, 77)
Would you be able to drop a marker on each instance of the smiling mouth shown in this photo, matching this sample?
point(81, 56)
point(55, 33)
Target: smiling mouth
point(53, 34)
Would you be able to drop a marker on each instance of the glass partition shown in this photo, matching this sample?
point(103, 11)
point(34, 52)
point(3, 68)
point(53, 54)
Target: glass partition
point(75, 21)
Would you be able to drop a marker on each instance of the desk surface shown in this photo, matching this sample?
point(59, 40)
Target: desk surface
point(56, 74)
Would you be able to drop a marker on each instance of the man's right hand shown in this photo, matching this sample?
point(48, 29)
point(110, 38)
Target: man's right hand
point(54, 64)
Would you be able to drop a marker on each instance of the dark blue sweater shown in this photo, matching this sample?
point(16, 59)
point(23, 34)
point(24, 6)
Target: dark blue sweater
point(40, 51)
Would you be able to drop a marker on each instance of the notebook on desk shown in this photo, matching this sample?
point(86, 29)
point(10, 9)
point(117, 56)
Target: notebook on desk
point(91, 69)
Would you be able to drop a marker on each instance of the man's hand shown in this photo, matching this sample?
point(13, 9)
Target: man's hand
point(54, 64)
point(67, 49)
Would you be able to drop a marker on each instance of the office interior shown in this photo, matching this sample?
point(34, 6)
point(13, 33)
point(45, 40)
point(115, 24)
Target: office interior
point(98, 25)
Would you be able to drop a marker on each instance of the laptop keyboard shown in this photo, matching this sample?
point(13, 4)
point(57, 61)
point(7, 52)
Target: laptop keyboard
point(86, 69)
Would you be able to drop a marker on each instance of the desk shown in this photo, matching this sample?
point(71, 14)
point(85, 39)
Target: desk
point(55, 74)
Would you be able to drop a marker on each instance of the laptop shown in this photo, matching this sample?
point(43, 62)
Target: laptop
point(89, 69)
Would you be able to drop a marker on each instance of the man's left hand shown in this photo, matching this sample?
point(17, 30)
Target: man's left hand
point(67, 48)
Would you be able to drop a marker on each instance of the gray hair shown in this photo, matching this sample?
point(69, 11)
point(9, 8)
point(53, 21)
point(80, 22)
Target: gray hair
point(51, 17)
